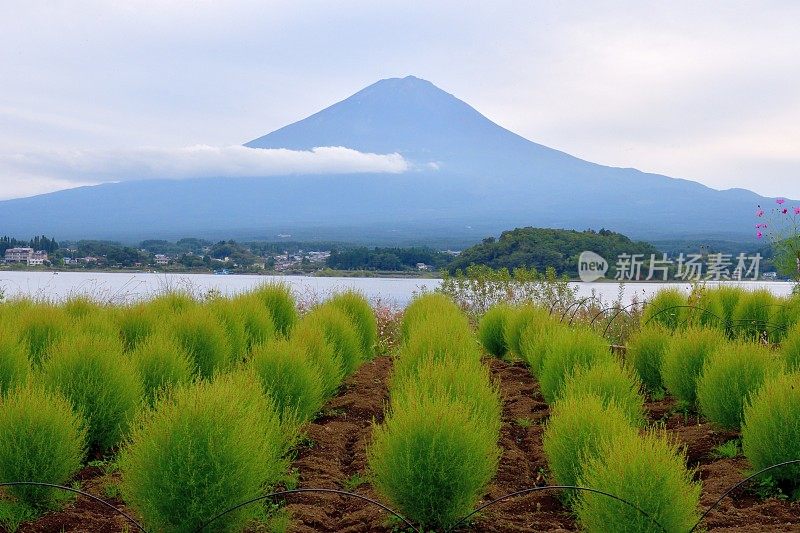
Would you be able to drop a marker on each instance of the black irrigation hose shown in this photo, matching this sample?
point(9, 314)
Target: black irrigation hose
point(556, 487)
point(692, 307)
point(613, 318)
point(76, 491)
point(745, 480)
point(300, 491)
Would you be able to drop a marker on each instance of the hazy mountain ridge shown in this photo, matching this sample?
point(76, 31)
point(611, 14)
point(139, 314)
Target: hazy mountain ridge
point(469, 178)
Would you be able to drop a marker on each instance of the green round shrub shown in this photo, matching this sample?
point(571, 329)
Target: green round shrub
point(570, 350)
point(462, 381)
point(101, 384)
point(518, 320)
point(172, 302)
point(258, 325)
point(790, 348)
point(752, 318)
point(491, 330)
point(577, 428)
point(321, 353)
point(290, 379)
point(771, 428)
point(40, 327)
point(429, 306)
point(683, 361)
point(204, 339)
point(230, 318)
point(439, 340)
point(613, 384)
point(79, 306)
point(339, 332)
point(785, 315)
point(14, 364)
point(162, 364)
point(41, 439)
point(645, 353)
point(650, 473)
point(668, 308)
point(360, 312)
point(432, 461)
point(208, 447)
point(278, 300)
point(135, 324)
point(730, 376)
point(535, 342)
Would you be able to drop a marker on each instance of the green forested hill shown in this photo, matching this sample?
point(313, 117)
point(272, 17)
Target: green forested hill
point(542, 248)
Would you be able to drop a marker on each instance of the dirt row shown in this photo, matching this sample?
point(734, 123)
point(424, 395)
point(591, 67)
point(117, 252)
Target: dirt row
point(333, 456)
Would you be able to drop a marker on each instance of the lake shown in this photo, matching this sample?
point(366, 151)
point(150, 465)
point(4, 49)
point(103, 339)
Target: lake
point(127, 287)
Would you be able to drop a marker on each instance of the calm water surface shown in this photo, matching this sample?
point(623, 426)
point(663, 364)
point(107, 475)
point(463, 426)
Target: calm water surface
point(126, 287)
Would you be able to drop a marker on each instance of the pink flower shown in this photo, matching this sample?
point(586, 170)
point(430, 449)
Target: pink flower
point(780, 201)
point(760, 213)
point(759, 234)
point(785, 211)
point(797, 210)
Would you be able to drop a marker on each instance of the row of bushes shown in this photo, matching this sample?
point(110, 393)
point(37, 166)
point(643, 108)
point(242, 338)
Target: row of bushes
point(203, 399)
point(593, 436)
point(437, 448)
point(755, 315)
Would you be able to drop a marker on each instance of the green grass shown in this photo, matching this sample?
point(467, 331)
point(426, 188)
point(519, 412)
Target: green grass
point(728, 450)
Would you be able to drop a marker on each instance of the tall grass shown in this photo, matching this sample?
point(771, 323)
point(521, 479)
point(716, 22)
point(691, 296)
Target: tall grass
point(209, 447)
point(101, 384)
point(570, 350)
point(42, 439)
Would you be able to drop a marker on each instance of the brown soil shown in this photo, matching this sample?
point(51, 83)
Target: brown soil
point(333, 456)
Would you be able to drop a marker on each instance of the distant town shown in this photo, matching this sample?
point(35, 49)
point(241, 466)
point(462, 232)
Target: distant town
point(223, 257)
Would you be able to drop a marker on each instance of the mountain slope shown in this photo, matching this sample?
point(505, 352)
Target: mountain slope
point(469, 177)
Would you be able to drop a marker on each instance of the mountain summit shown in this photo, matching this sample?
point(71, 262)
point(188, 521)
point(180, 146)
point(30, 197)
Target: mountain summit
point(468, 178)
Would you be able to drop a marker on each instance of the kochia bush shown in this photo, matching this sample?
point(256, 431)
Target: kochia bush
point(204, 339)
point(491, 329)
point(668, 308)
point(570, 350)
point(438, 340)
point(576, 430)
point(771, 428)
point(14, 364)
point(277, 299)
point(339, 333)
point(162, 364)
point(752, 318)
point(40, 327)
point(650, 473)
point(518, 321)
point(209, 447)
point(357, 308)
point(613, 384)
point(429, 306)
point(790, 348)
point(432, 461)
point(645, 354)
point(730, 376)
point(683, 361)
point(42, 439)
point(100, 382)
point(536, 341)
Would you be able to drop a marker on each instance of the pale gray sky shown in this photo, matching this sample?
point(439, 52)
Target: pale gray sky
point(708, 91)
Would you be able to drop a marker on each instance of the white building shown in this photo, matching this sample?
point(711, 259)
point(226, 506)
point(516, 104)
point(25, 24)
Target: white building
point(161, 259)
point(37, 258)
point(18, 255)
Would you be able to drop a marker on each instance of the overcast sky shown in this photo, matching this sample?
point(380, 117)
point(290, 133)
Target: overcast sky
point(708, 91)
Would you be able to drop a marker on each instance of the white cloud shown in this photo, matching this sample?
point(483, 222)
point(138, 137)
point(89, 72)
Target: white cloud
point(42, 171)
